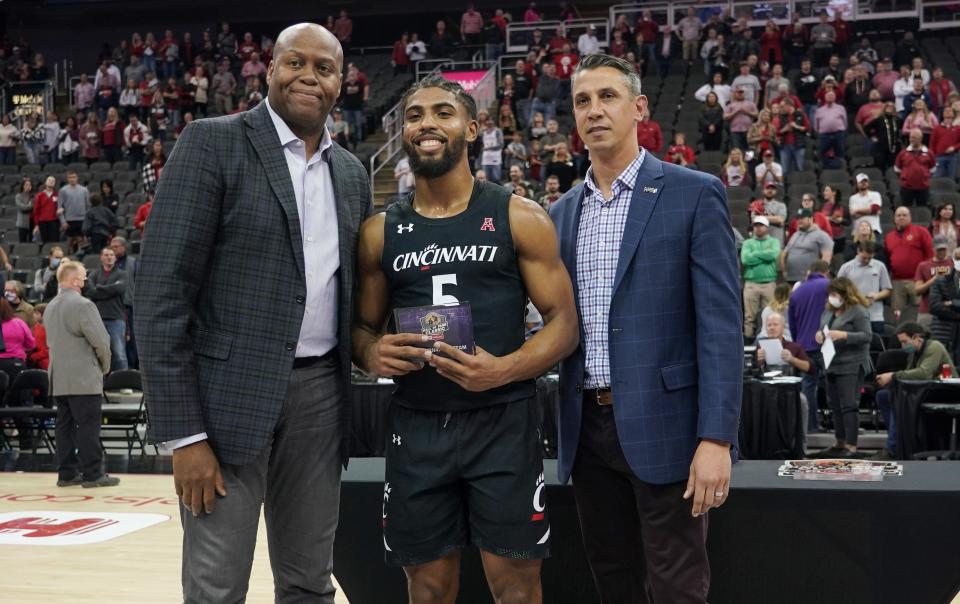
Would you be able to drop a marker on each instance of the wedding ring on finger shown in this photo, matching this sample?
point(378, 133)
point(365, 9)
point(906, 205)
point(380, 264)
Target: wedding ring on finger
point(718, 494)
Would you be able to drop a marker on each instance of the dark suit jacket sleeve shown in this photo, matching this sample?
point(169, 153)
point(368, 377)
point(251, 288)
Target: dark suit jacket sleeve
point(716, 294)
point(178, 242)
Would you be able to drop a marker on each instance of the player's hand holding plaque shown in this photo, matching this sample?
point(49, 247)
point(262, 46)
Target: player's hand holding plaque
point(451, 324)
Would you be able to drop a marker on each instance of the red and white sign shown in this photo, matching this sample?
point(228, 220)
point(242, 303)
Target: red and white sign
point(467, 79)
point(52, 528)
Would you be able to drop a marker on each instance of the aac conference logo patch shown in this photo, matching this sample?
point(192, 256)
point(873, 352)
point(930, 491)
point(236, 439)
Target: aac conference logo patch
point(71, 528)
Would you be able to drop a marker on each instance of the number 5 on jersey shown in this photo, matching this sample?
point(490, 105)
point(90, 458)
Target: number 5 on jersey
point(438, 282)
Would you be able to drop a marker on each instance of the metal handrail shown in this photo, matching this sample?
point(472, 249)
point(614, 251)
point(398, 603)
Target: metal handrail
point(382, 158)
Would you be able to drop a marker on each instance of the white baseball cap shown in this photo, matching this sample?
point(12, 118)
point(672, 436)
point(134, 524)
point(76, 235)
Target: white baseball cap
point(761, 220)
point(862, 177)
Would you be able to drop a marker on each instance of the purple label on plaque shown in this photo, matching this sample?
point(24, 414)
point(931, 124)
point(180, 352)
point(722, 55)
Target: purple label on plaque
point(448, 323)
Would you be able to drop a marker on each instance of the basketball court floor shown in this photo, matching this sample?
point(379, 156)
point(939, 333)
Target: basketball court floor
point(108, 545)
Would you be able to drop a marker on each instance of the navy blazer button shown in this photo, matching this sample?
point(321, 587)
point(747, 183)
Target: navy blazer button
point(301, 299)
point(291, 346)
point(578, 387)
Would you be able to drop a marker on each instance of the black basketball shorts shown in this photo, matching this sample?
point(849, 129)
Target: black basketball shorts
point(464, 477)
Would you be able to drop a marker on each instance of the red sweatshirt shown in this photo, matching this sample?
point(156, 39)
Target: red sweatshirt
point(907, 249)
point(45, 207)
point(649, 136)
point(943, 137)
point(915, 167)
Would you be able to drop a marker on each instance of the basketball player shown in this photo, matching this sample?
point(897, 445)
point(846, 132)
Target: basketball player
point(464, 464)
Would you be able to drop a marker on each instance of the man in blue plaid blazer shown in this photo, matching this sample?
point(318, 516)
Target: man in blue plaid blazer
point(650, 401)
point(244, 299)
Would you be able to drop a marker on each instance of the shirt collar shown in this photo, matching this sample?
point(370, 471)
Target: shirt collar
point(287, 136)
point(627, 178)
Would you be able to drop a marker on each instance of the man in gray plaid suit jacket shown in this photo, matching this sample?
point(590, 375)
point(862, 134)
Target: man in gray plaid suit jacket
point(243, 320)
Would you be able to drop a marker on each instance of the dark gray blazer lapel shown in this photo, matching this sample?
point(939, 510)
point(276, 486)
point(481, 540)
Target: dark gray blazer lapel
point(266, 142)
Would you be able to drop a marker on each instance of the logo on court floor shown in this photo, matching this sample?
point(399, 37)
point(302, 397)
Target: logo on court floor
point(71, 528)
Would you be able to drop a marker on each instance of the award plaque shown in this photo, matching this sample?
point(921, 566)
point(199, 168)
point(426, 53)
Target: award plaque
point(448, 323)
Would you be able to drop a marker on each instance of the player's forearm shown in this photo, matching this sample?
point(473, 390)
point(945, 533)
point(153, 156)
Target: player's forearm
point(555, 342)
point(362, 338)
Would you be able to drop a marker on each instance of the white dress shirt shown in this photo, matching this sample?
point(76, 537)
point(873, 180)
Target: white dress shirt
point(317, 209)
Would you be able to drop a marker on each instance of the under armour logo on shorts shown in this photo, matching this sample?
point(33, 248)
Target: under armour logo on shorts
point(401, 229)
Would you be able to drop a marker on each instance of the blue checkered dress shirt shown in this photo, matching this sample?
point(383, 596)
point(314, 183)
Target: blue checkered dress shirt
point(598, 248)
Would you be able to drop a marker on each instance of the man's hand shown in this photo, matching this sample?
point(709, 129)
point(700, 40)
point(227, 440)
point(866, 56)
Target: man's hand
point(884, 379)
point(818, 337)
point(709, 480)
point(64, 227)
point(197, 477)
point(761, 355)
point(476, 373)
point(396, 354)
point(786, 355)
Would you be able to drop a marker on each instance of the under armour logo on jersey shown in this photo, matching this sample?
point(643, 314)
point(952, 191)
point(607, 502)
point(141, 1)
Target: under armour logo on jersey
point(488, 225)
point(396, 440)
point(401, 229)
point(650, 190)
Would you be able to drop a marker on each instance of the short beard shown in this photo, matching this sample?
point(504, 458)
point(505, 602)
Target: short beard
point(435, 168)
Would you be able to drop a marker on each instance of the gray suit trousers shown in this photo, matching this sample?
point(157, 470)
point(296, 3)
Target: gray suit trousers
point(297, 480)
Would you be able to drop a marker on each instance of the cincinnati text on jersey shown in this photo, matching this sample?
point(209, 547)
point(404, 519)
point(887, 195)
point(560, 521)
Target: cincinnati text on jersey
point(432, 254)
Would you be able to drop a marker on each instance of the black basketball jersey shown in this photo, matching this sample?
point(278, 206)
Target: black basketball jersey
point(471, 258)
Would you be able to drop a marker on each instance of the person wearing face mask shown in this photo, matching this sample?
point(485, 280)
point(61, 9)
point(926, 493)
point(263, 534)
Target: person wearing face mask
point(14, 293)
point(925, 361)
point(872, 280)
point(46, 278)
point(945, 308)
point(847, 323)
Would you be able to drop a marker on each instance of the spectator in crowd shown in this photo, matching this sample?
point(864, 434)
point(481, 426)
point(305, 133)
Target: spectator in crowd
point(173, 96)
point(618, 45)
point(168, 55)
point(158, 121)
point(857, 93)
point(866, 114)
point(823, 35)
point(33, 136)
point(925, 361)
point(416, 48)
point(79, 357)
point(716, 86)
point(865, 203)
point(226, 42)
point(734, 172)
point(929, 271)
point(471, 26)
point(9, 135)
point(791, 126)
point(806, 308)
point(353, 96)
point(537, 47)
point(130, 101)
point(136, 137)
point(551, 192)
point(848, 325)
point(46, 222)
point(944, 142)
point(493, 37)
point(759, 259)
point(774, 210)
point(441, 42)
point(711, 123)
point(647, 31)
point(492, 156)
point(807, 245)
point(112, 135)
point(16, 295)
point(339, 129)
point(945, 307)
point(916, 93)
point(399, 58)
point(343, 29)
point(907, 246)
point(99, 224)
point(107, 76)
point(148, 87)
point(920, 118)
point(516, 179)
point(24, 200)
point(806, 84)
point(507, 120)
point(902, 87)
point(90, 140)
point(43, 277)
point(649, 135)
point(83, 94)
point(247, 48)
point(51, 139)
point(884, 136)
point(780, 304)
point(830, 81)
point(73, 201)
point(106, 287)
point(516, 152)
point(749, 83)
point(867, 56)
point(885, 79)
point(945, 224)
point(915, 164)
point(39, 358)
point(776, 87)
point(129, 266)
point(200, 86)
point(809, 202)
point(917, 70)
point(681, 153)
point(744, 46)
point(550, 141)
point(830, 122)
point(565, 62)
point(872, 280)
point(587, 43)
point(768, 171)
point(793, 358)
point(153, 167)
point(224, 86)
point(143, 213)
point(404, 175)
point(709, 50)
point(688, 31)
point(18, 340)
point(838, 216)
point(740, 114)
point(940, 89)
point(254, 67)
point(770, 44)
point(135, 71)
point(561, 166)
point(762, 135)
point(548, 90)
